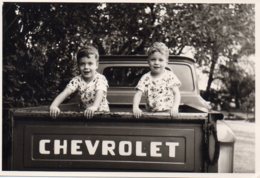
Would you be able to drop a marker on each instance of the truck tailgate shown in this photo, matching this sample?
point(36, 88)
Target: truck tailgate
point(113, 141)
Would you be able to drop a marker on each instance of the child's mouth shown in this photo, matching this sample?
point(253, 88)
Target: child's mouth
point(86, 72)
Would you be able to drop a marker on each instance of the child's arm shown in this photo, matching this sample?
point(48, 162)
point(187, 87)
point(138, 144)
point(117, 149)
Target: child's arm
point(175, 108)
point(137, 99)
point(89, 112)
point(54, 108)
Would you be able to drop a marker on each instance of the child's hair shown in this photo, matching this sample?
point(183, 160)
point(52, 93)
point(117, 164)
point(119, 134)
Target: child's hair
point(86, 51)
point(159, 47)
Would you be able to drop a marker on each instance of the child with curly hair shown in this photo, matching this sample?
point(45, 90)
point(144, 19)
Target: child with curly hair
point(159, 86)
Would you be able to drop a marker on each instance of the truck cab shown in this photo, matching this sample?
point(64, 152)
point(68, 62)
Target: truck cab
point(115, 140)
point(123, 73)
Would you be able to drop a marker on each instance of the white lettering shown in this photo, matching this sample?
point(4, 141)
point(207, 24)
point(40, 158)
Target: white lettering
point(42, 147)
point(91, 148)
point(75, 147)
point(122, 148)
point(58, 147)
point(172, 148)
point(108, 146)
point(139, 147)
point(155, 148)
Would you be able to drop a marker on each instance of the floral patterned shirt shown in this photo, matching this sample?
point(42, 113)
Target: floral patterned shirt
point(158, 92)
point(87, 91)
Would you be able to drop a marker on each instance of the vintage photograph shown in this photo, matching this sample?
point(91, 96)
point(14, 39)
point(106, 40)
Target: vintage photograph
point(128, 87)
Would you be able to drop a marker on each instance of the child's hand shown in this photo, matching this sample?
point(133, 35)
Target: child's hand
point(54, 111)
point(137, 112)
point(174, 112)
point(89, 112)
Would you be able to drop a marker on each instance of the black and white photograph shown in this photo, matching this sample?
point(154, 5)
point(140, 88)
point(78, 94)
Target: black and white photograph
point(128, 87)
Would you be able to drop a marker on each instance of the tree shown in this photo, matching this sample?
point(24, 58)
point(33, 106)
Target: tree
point(42, 38)
point(238, 82)
point(223, 30)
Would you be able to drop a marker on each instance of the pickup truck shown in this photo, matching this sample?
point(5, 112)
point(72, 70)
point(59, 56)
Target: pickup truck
point(196, 140)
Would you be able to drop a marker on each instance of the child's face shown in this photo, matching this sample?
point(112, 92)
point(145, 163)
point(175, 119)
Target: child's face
point(157, 63)
point(88, 67)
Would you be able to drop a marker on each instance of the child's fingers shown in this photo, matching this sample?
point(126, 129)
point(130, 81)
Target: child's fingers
point(54, 113)
point(51, 113)
point(174, 114)
point(137, 114)
point(85, 113)
point(57, 112)
point(88, 113)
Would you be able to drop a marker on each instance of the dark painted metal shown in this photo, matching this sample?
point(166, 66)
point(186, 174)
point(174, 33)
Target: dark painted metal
point(28, 131)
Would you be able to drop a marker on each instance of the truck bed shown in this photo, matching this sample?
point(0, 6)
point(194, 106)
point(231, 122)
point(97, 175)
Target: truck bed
point(113, 141)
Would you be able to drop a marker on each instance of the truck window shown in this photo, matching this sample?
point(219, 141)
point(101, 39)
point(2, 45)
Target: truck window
point(124, 76)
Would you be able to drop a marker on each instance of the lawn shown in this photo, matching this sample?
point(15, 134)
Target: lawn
point(244, 157)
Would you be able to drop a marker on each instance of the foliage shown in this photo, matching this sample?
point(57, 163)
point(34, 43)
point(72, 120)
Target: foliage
point(239, 84)
point(225, 30)
point(248, 104)
point(41, 39)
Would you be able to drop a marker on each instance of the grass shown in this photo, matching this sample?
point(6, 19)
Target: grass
point(244, 156)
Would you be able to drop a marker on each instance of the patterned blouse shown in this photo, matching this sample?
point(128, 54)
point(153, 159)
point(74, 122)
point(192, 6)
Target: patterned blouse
point(87, 91)
point(158, 91)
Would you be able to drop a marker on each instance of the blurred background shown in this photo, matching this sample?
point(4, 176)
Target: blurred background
point(40, 41)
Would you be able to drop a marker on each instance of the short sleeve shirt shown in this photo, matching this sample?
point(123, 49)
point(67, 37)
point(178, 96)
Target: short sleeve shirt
point(158, 92)
point(87, 91)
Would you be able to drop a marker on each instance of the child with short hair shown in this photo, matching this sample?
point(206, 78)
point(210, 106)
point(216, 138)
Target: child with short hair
point(160, 86)
point(91, 85)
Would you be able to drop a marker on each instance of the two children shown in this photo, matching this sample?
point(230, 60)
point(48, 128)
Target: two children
point(160, 86)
